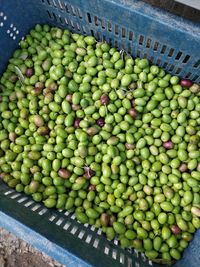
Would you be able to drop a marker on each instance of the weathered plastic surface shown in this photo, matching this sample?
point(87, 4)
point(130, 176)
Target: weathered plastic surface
point(61, 236)
point(166, 40)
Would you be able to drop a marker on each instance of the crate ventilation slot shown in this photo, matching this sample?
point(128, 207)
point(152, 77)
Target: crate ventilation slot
point(43, 211)
point(92, 228)
point(22, 199)
point(15, 196)
point(88, 239)
point(121, 258)
point(96, 243)
point(106, 250)
point(9, 192)
point(36, 207)
point(74, 230)
point(64, 7)
point(81, 234)
point(59, 222)
point(66, 226)
point(65, 21)
point(29, 203)
point(91, 237)
point(114, 254)
point(52, 218)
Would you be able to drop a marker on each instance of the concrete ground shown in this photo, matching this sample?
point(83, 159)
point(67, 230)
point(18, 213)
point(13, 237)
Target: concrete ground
point(15, 252)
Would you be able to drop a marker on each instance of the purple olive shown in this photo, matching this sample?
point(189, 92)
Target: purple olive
point(183, 167)
point(92, 187)
point(29, 72)
point(186, 83)
point(104, 99)
point(69, 98)
point(88, 172)
point(168, 144)
point(75, 107)
point(63, 173)
point(132, 112)
point(175, 229)
point(77, 122)
point(101, 122)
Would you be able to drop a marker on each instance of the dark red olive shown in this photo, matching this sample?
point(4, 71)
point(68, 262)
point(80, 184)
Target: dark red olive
point(101, 122)
point(104, 99)
point(63, 173)
point(69, 98)
point(183, 167)
point(29, 72)
point(92, 187)
point(175, 229)
point(77, 122)
point(132, 112)
point(75, 107)
point(168, 144)
point(88, 172)
point(186, 83)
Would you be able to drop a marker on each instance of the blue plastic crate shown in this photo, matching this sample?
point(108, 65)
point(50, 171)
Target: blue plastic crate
point(167, 40)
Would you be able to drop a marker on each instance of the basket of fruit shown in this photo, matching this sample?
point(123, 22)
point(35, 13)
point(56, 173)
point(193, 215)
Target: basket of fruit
point(100, 131)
